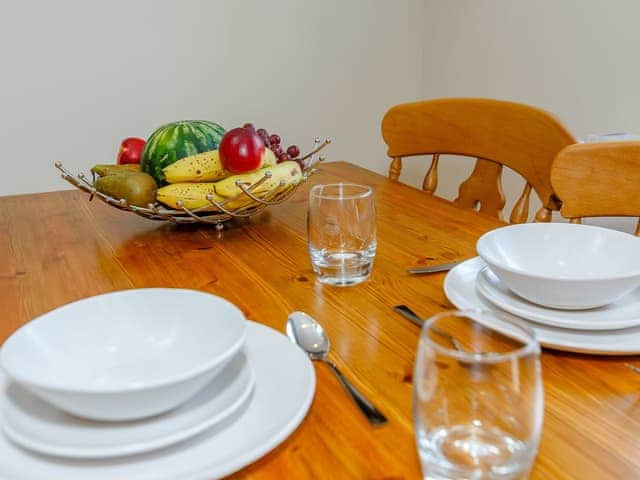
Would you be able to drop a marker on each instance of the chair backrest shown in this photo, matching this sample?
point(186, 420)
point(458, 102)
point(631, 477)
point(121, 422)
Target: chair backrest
point(598, 179)
point(497, 133)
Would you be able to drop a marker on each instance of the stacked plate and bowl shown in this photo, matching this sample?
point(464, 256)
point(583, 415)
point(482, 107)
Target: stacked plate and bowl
point(171, 383)
point(577, 286)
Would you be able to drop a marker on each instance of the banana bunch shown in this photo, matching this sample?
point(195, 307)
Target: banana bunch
point(193, 193)
point(205, 167)
point(282, 175)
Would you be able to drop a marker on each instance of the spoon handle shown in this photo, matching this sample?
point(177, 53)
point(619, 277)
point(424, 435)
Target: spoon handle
point(374, 415)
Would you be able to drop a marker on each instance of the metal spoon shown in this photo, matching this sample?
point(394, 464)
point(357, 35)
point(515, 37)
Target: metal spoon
point(309, 335)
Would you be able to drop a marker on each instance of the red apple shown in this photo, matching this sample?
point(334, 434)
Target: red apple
point(241, 150)
point(131, 150)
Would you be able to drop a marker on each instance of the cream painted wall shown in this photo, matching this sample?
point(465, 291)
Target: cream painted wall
point(576, 58)
point(77, 77)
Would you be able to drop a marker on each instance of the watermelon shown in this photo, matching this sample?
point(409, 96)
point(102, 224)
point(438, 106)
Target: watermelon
point(177, 140)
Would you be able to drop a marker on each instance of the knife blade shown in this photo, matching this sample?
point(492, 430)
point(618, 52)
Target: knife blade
point(413, 317)
point(442, 267)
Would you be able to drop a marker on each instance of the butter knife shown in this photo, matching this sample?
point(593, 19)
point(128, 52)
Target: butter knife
point(413, 317)
point(442, 267)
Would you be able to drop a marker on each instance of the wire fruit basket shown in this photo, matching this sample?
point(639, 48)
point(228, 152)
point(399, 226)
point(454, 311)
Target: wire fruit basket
point(247, 202)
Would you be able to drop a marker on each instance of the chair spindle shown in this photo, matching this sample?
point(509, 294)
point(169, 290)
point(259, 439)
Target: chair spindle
point(543, 215)
point(395, 168)
point(520, 211)
point(430, 182)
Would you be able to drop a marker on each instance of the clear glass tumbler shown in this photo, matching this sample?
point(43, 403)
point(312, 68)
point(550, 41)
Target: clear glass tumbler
point(341, 226)
point(478, 397)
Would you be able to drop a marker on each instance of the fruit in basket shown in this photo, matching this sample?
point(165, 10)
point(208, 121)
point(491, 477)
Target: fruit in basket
point(130, 151)
point(241, 150)
point(288, 173)
point(284, 157)
point(192, 195)
point(205, 167)
point(137, 188)
point(273, 142)
point(268, 158)
point(128, 187)
point(104, 169)
point(177, 140)
point(202, 167)
point(293, 151)
point(274, 139)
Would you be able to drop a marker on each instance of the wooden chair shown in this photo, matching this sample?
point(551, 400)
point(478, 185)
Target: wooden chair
point(598, 180)
point(496, 132)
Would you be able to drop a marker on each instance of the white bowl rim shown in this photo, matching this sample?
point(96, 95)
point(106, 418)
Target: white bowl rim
point(194, 372)
point(491, 260)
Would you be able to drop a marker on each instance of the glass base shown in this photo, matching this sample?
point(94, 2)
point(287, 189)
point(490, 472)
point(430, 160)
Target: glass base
point(465, 451)
point(342, 269)
point(340, 281)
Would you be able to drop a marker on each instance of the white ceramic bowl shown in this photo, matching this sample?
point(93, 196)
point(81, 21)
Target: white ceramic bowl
point(125, 355)
point(561, 265)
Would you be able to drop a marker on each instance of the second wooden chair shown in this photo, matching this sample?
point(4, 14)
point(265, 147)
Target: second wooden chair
point(598, 180)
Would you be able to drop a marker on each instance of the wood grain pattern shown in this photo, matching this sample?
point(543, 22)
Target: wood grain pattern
point(524, 138)
point(598, 179)
point(58, 247)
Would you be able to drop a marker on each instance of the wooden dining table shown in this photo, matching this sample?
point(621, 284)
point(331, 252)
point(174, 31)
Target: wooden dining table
point(59, 247)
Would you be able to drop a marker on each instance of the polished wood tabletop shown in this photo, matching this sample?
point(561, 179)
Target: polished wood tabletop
point(59, 247)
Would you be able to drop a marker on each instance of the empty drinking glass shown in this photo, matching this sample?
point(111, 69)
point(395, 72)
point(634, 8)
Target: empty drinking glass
point(341, 226)
point(478, 397)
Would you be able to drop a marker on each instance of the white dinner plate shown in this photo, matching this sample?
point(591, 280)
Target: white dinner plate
point(36, 424)
point(460, 289)
point(623, 313)
point(283, 391)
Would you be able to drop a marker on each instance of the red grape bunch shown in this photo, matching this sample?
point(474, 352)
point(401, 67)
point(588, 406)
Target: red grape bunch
point(273, 142)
